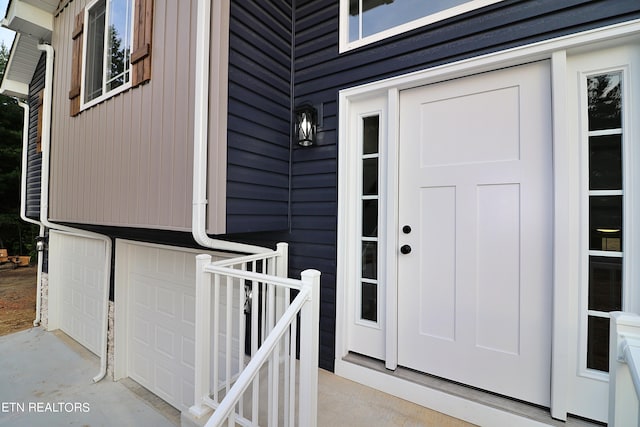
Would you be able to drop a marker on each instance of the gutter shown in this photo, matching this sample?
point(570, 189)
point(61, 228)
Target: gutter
point(23, 206)
point(44, 204)
point(200, 135)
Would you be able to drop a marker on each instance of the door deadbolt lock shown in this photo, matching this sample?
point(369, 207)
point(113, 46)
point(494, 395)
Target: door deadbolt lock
point(406, 229)
point(405, 249)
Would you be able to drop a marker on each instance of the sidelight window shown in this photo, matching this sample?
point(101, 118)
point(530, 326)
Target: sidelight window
point(370, 197)
point(606, 245)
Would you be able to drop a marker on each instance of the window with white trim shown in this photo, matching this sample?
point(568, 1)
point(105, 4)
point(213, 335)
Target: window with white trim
point(111, 51)
point(370, 196)
point(367, 21)
point(108, 47)
point(605, 211)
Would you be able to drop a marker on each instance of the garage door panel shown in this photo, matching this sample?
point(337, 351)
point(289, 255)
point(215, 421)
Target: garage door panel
point(161, 309)
point(76, 276)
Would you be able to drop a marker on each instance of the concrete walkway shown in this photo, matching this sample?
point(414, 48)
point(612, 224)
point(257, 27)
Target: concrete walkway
point(46, 380)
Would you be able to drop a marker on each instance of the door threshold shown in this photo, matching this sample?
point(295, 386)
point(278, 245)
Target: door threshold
point(503, 403)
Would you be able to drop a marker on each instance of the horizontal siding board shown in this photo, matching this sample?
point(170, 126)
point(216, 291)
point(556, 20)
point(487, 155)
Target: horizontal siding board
point(259, 118)
point(266, 207)
point(314, 206)
point(34, 158)
point(259, 144)
point(268, 180)
point(246, 223)
point(314, 222)
point(245, 159)
point(254, 192)
point(245, 79)
point(262, 103)
point(268, 21)
point(279, 125)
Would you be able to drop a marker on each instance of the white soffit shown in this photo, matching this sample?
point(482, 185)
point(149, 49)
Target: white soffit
point(31, 17)
point(49, 6)
point(22, 63)
point(32, 20)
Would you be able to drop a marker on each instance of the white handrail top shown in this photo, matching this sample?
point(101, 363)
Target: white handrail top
point(245, 258)
point(626, 319)
point(250, 275)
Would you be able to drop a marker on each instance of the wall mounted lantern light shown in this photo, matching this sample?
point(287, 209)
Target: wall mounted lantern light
point(306, 125)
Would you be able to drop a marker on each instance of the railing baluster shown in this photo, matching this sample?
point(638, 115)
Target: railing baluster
point(228, 345)
point(293, 333)
point(255, 396)
point(216, 337)
point(242, 331)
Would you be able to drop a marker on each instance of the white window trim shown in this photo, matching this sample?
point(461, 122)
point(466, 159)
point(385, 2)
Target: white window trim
point(566, 253)
point(346, 45)
point(379, 281)
point(85, 36)
point(627, 239)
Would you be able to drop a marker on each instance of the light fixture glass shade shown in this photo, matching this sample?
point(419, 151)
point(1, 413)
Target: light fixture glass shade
point(306, 122)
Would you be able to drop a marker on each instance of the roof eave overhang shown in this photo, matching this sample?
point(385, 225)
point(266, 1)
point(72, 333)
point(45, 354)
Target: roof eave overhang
point(25, 18)
point(32, 20)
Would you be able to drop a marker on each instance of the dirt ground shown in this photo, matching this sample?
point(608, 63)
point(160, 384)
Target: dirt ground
point(17, 298)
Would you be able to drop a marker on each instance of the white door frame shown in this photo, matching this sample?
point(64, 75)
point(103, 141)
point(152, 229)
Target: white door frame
point(566, 170)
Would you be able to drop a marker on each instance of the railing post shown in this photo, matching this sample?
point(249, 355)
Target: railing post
point(202, 337)
point(282, 262)
point(624, 339)
point(309, 333)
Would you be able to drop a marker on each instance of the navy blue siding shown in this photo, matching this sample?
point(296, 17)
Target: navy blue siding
point(34, 159)
point(320, 72)
point(259, 120)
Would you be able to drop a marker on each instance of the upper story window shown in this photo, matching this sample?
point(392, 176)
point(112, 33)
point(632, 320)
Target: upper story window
point(111, 50)
point(107, 48)
point(367, 21)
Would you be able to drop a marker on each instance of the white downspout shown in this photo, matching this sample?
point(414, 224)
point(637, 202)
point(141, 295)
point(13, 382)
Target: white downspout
point(200, 138)
point(44, 203)
point(23, 205)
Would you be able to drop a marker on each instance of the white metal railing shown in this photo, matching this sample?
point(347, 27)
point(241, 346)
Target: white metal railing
point(624, 365)
point(244, 305)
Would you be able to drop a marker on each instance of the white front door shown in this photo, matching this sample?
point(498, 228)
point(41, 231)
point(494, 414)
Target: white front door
point(475, 231)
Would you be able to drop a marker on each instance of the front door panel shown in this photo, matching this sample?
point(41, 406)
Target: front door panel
point(474, 291)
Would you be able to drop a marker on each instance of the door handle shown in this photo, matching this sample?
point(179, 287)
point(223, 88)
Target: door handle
point(405, 249)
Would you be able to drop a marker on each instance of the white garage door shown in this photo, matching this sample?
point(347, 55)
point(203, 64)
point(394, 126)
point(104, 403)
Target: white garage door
point(159, 284)
point(76, 281)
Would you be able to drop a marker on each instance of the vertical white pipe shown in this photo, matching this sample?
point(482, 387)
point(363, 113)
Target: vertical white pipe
point(23, 206)
point(201, 134)
point(44, 204)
